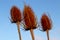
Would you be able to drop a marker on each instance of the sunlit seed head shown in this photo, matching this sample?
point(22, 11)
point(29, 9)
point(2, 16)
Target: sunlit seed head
point(15, 14)
point(29, 18)
point(45, 22)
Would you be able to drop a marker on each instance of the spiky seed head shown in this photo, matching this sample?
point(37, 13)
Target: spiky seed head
point(29, 18)
point(45, 22)
point(15, 14)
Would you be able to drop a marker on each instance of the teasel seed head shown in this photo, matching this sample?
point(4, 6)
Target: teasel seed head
point(15, 14)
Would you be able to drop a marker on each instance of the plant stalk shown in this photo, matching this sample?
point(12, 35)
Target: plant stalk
point(32, 34)
point(47, 31)
point(18, 27)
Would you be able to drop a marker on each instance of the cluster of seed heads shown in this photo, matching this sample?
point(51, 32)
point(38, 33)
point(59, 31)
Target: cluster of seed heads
point(29, 19)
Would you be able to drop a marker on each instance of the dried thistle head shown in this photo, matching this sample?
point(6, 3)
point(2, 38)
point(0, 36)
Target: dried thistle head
point(29, 18)
point(46, 22)
point(15, 14)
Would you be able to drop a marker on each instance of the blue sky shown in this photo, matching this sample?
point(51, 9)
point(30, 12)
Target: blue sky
point(8, 31)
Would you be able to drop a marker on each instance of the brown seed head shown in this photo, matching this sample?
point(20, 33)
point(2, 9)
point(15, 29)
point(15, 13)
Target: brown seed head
point(45, 22)
point(15, 14)
point(29, 18)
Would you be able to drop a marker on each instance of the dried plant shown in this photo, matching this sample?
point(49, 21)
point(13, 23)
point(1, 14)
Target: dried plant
point(29, 20)
point(46, 24)
point(16, 18)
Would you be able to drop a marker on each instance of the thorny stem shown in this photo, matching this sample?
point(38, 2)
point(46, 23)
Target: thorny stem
point(32, 34)
point(47, 31)
point(18, 27)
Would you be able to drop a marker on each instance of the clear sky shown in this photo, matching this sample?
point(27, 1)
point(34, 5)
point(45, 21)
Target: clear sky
point(8, 31)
